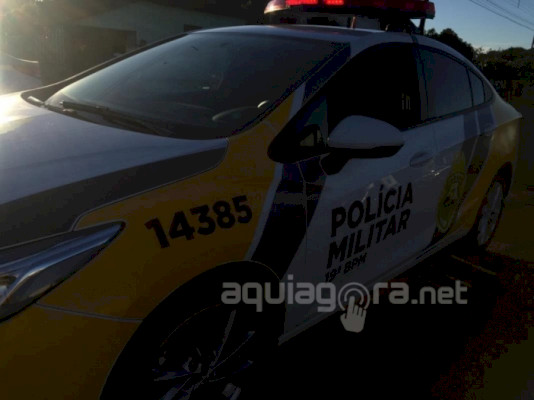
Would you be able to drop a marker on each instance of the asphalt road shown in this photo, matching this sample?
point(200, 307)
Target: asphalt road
point(481, 350)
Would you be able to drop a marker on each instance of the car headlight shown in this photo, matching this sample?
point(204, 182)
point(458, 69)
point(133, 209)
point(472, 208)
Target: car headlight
point(28, 271)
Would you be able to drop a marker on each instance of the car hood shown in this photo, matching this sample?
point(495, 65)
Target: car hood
point(53, 167)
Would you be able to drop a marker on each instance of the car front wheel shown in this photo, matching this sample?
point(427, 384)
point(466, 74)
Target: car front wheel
point(205, 356)
point(196, 348)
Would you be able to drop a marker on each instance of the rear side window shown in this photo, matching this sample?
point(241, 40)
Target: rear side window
point(477, 87)
point(488, 92)
point(447, 84)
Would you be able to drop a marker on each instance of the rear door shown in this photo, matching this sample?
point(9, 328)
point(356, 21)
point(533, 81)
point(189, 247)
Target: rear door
point(462, 124)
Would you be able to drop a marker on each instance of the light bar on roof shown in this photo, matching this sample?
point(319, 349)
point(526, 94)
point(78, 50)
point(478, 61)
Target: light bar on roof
point(302, 2)
point(410, 8)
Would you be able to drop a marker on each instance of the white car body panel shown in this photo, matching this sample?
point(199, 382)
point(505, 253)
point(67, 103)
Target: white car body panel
point(42, 149)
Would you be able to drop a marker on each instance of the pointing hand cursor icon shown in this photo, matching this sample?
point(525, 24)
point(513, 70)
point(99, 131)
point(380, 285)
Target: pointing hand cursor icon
point(354, 318)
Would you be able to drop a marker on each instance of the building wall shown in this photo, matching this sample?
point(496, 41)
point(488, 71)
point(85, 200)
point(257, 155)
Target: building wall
point(51, 54)
point(153, 22)
point(70, 45)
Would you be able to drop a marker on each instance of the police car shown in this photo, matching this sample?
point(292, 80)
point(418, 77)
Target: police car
point(132, 192)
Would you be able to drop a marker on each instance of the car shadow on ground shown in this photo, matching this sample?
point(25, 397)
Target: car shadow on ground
point(478, 350)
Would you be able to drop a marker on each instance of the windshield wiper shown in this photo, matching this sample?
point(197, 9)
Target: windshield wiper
point(117, 117)
point(38, 102)
point(35, 101)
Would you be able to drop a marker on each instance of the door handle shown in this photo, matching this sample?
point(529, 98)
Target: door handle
point(420, 159)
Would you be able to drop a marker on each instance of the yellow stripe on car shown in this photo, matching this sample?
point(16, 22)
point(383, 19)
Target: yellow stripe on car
point(135, 274)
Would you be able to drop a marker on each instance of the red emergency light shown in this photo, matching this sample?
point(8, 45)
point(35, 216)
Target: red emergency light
point(415, 8)
point(292, 3)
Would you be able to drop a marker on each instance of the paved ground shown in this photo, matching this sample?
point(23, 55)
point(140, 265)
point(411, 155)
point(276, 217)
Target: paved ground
point(482, 350)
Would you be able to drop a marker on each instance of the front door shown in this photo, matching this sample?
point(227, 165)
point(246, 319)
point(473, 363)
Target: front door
point(367, 215)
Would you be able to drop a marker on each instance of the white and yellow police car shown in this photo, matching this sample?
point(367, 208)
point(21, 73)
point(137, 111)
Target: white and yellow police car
point(131, 192)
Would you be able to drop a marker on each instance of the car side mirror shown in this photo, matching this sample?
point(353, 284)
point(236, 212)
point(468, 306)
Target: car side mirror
point(358, 136)
point(369, 137)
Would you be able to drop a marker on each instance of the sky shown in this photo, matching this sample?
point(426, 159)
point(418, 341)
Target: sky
point(480, 27)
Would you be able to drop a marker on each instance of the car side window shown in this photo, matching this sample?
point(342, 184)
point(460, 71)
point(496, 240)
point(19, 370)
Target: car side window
point(477, 87)
point(313, 125)
point(305, 135)
point(447, 84)
point(380, 83)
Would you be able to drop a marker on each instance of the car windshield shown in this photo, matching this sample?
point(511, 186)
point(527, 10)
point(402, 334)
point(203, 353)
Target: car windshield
point(202, 85)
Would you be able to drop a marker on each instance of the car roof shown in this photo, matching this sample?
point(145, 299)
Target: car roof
point(331, 33)
point(319, 32)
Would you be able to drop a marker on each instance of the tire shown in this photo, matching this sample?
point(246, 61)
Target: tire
point(489, 215)
point(196, 347)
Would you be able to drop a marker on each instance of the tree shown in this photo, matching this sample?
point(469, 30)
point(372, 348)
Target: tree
point(450, 38)
point(514, 63)
point(510, 69)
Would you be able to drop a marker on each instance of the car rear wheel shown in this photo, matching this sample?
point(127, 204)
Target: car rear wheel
point(489, 215)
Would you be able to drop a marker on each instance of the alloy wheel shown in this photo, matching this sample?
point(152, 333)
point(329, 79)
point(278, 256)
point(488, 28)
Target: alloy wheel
point(490, 214)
